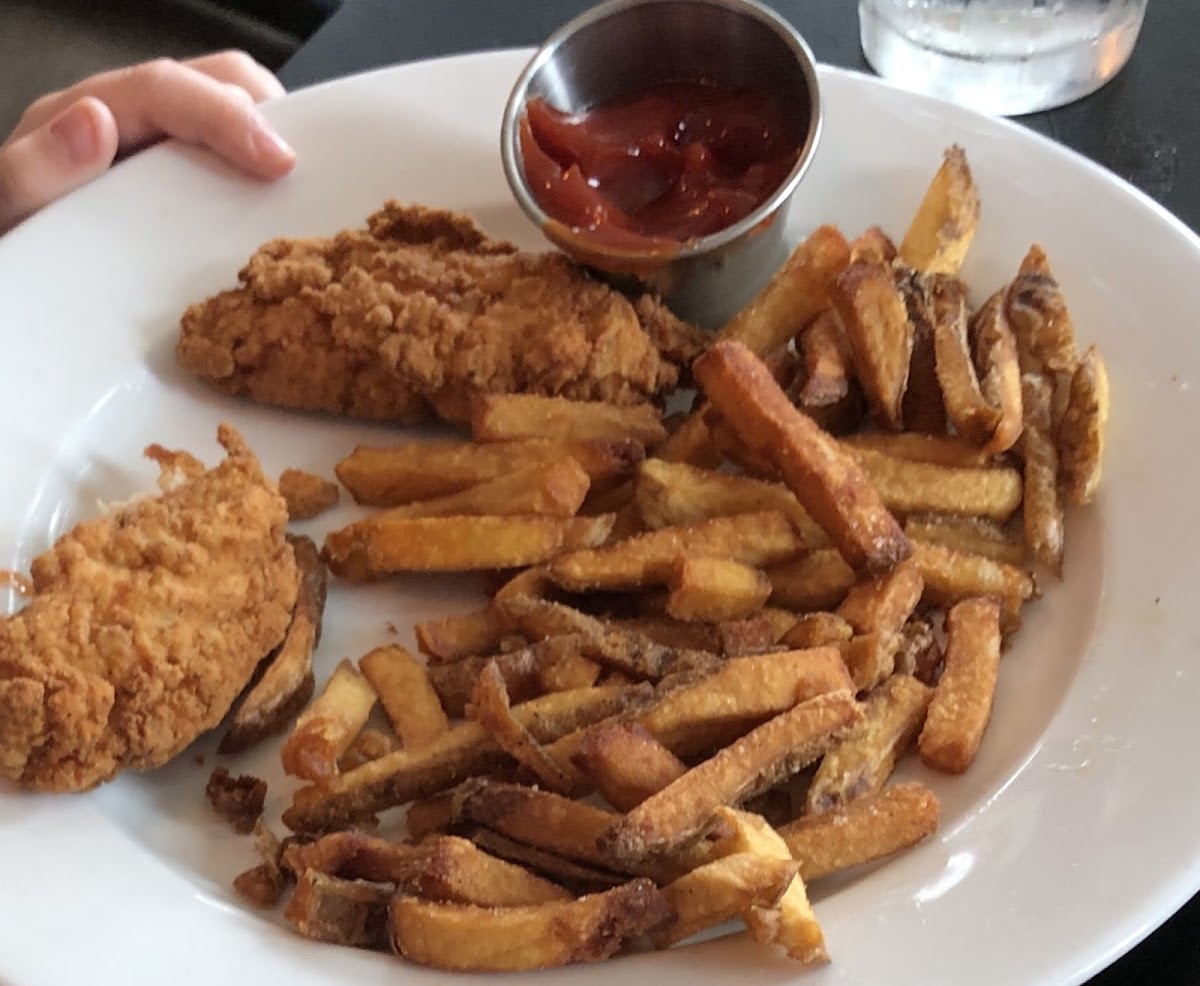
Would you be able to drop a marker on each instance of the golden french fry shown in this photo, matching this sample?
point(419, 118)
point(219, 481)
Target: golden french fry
point(962, 702)
point(388, 477)
point(819, 580)
point(552, 489)
point(884, 602)
point(407, 697)
point(454, 870)
point(861, 764)
point(817, 630)
point(941, 232)
point(749, 460)
point(673, 633)
point(650, 559)
point(341, 912)
point(705, 588)
point(869, 828)
point(690, 444)
point(973, 535)
point(670, 819)
point(825, 370)
point(1043, 510)
point(873, 244)
point(907, 486)
point(974, 419)
point(1039, 317)
point(370, 744)
point(429, 815)
point(465, 938)
point(580, 877)
point(879, 336)
point(789, 922)
point(490, 708)
point(671, 494)
point(626, 763)
point(381, 546)
point(754, 634)
point(1082, 433)
point(510, 417)
point(325, 730)
point(871, 657)
point(825, 479)
point(938, 450)
point(715, 892)
point(797, 292)
point(352, 855)
point(951, 576)
point(452, 637)
point(287, 683)
point(999, 372)
point(307, 494)
point(465, 751)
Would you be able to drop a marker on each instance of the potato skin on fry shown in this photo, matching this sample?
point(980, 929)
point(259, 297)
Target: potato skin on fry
point(466, 938)
point(825, 479)
point(941, 232)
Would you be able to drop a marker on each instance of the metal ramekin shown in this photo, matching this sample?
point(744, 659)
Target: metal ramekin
point(622, 47)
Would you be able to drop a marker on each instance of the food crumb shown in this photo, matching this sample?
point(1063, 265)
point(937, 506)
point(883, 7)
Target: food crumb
point(306, 493)
point(238, 800)
point(198, 759)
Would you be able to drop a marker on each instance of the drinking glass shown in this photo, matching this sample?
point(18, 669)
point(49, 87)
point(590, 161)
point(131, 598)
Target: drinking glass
point(1003, 57)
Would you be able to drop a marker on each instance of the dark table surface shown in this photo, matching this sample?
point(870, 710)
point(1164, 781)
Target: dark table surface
point(1144, 125)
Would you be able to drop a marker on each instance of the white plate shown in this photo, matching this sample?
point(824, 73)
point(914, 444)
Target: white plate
point(1072, 836)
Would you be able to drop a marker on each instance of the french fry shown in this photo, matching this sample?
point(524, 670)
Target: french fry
point(873, 244)
point(368, 745)
point(951, 576)
point(465, 751)
point(919, 654)
point(407, 697)
point(819, 580)
point(673, 494)
point(705, 588)
point(389, 477)
point(974, 419)
point(353, 855)
point(923, 409)
point(287, 682)
point(999, 372)
point(650, 559)
point(938, 450)
point(826, 480)
point(797, 292)
point(962, 703)
point(1043, 512)
point(715, 892)
point(879, 336)
point(680, 812)
point(325, 730)
point(262, 886)
point(788, 922)
point(673, 633)
point(825, 370)
point(490, 708)
point(748, 459)
point(907, 486)
point(869, 828)
point(870, 658)
point(690, 444)
point(973, 535)
point(381, 546)
point(817, 630)
point(1040, 318)
point(941, 232)
point(466, 635)
point(566, 872)
point(626, 763)
point(1084, 425)
point(454, 870)
point(754, 634)
point(884, 602)
point(341, 912)
point(510, 417)
point(551, 489)
point(465, 938)
point(861, 764)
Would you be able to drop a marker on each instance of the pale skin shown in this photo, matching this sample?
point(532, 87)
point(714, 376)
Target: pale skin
point(67, 138)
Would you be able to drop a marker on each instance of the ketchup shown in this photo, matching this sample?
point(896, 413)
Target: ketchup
point(675, 163)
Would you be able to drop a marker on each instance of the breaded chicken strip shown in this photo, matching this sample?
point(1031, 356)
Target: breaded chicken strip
point(422, 306)
point(145, 624)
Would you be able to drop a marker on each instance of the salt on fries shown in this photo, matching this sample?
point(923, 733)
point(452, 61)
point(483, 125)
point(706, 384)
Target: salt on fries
point(588, 760)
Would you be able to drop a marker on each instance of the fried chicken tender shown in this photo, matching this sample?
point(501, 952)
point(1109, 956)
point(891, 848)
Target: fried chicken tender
point(145, 624)
point(422, 307)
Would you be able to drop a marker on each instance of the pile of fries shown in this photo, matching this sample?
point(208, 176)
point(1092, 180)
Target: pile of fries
point(709, 639)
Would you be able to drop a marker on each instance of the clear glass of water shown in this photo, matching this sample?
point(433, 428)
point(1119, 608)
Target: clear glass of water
point(1003, 57)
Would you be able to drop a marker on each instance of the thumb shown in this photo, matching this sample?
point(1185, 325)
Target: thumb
point(76, 146)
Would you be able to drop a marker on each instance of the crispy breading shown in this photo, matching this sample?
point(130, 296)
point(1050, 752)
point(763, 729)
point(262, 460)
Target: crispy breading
point(421, 305)
point(144, 627)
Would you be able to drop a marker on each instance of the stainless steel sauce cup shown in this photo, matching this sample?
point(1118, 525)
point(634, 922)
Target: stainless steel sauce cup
point(624, 47)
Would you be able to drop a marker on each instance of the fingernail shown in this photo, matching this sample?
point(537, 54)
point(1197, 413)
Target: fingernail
point(76, 131)
point(269, 144)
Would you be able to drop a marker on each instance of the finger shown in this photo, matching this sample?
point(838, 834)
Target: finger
point(68, 151)
point(239, 69)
